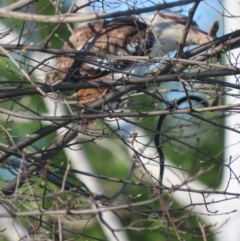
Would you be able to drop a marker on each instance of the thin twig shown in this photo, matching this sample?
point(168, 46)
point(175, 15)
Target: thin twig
point(17, 5)
point(78, 18)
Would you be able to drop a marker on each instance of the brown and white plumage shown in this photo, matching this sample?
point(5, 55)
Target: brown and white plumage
point(168, 28)
point(122, 36)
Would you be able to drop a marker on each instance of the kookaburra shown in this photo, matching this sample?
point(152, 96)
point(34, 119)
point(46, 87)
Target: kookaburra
point(155, 36)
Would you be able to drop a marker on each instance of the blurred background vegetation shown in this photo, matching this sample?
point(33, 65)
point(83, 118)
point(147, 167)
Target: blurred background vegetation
point(111, 164)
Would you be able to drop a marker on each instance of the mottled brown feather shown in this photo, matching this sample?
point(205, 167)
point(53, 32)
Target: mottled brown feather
point(214, 29)
point(177, 18)
point(122, 36)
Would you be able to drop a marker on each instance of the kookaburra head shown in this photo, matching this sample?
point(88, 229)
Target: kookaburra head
point(168, 29)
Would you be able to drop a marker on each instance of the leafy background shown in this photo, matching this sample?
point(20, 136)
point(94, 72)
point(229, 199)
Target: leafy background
point(103, 149)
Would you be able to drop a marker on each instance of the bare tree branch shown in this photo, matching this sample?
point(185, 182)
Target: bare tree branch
point(76, 18)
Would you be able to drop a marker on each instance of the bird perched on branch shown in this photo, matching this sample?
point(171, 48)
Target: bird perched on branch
point(155, 36)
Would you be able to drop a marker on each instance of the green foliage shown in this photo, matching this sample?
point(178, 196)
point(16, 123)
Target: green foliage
point(194, 146)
